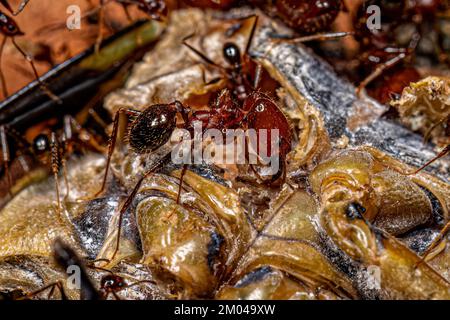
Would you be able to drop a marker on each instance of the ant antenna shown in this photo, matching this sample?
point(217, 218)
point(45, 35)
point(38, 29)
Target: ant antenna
point(199, 53)
point(252, 32)
point(440, 155)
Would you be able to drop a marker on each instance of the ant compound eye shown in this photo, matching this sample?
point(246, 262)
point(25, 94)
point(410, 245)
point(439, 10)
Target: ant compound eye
point(11, 28)
point(260, 107)
point(41, 143)
point(231, 53)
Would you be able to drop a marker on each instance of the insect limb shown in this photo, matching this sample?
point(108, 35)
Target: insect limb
point(379, 71)
point(55, 162)
point(433, 245)
point(183, 172)
point(130, 199)
point(43, 86)
point(101, 20)
point(200, 54)
point(51, 286)
point(22, 6)
point(2, 76)
point(319, 37)
point(112, 143)
point(6, 157)
point(440, 155)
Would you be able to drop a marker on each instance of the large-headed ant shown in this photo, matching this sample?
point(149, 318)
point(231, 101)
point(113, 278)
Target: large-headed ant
point(10, 29)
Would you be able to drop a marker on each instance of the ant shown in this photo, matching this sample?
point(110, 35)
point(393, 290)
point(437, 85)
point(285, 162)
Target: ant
point(306, 16)
point(154, 9)
point(10, 29)
point(110, 284)
point(48, 148)
point(379, 53)
point(153, 127)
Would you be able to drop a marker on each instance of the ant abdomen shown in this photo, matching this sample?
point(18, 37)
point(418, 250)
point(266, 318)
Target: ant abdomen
point(152, 128)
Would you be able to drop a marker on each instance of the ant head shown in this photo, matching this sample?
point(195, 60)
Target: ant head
point(232, 54)
point(41, 144)
point(9, 27)
point(112, 282)
point(153, 127)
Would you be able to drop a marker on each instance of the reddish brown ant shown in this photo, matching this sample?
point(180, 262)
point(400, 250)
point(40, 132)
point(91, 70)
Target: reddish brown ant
point(154, 9)
point(109, 284)
point(380, 56)
point(48, 148)
point(304, 16)
point(10, 29)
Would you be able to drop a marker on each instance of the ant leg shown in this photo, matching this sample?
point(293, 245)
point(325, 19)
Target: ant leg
point(127, 12)
point(55, 161)
point(116, 296)
point(97, 118)
point(379, 71)
point(135, 284)
point(183, 172)
point(6, 157)
point(435, 242)
point(2, 76)
point(54, 285)
point(6, 4)
point(22, 6)
point(130, 199)
point(440, 155)
point(83, 135)
point(44, 88)
point(112, 143)
point(101, 20)
point(258, 72)
point(319, 37)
